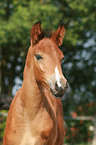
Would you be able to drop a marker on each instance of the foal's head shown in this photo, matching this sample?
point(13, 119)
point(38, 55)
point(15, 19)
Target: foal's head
point(47, 58)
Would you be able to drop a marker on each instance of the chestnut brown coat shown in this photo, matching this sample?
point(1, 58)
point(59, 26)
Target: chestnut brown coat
point(35, 116)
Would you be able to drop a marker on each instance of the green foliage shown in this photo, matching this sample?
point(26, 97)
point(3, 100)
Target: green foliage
point(79, 49)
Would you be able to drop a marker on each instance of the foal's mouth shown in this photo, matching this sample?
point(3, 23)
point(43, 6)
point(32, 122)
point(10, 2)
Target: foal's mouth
point(57, 94)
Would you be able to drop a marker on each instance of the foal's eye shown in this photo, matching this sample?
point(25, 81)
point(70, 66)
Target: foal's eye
point(38, 57)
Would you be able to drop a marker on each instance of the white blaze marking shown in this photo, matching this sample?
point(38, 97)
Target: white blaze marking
point(57, 76)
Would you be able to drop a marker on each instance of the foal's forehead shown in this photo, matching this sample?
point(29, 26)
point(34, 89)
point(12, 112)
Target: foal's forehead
point(47, 45)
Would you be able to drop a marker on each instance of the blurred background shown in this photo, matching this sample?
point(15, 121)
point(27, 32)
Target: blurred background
point(79, 67)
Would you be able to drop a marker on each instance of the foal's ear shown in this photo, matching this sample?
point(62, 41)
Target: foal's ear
point(58, 35)
point(36, 33)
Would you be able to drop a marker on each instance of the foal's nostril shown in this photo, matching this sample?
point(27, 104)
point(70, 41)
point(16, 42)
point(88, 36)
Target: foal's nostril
point(58, 87)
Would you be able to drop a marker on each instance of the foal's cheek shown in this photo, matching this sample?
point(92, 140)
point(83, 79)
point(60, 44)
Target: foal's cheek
point(42, 67)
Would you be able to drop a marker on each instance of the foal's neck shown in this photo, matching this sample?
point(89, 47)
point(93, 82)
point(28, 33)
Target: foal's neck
point(30, 93)
point(31, 97)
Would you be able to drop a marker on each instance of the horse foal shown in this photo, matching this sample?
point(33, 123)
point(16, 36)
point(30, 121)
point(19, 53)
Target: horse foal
point(35, 116)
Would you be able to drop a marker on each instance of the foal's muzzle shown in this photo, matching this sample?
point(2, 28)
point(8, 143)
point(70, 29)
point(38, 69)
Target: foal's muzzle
point(60, 89)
